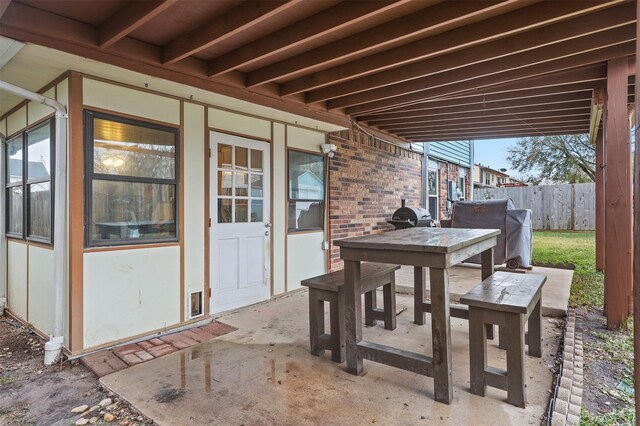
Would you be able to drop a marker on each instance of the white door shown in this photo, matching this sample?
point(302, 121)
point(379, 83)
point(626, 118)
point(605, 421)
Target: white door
point(240, 222)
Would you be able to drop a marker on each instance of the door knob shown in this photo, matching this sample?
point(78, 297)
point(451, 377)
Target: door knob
point(267, 224)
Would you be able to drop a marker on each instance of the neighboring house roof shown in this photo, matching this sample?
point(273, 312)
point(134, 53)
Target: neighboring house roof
point(494, 171)
point(36, 170)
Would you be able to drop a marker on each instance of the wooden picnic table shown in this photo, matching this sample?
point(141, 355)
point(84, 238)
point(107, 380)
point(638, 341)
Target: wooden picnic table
point(434, 248)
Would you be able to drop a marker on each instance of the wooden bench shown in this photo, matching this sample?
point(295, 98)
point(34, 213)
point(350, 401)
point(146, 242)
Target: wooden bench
point(507, 300)
point(330, 288)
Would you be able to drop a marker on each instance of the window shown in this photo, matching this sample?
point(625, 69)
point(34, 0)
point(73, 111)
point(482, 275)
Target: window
point(432, 180)
point(461, 185)
point(131, 181)
point(28, 184)
point(240, 184)
point(306, 191)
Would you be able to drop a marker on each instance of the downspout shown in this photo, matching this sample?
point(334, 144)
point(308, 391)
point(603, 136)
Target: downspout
point(53, 348)
point(425, 167)
point(3, 230)
point(471, 168)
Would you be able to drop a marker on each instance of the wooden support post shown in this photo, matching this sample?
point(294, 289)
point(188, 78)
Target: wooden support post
point(600, 201)
point(618, 224)
point(353, 315)
point(636, 230)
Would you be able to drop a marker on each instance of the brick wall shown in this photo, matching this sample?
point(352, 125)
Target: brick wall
point(443, 177)
point(367, 178)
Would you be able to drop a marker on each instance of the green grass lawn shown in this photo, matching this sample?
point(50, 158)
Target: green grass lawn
point(587, 291)
point(578, 248)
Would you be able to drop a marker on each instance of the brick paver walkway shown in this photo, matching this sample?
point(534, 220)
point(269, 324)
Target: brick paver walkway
point(109, 361)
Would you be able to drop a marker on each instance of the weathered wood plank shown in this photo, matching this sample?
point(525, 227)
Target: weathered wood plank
point(506, 292)
point(441, 335)
point(405, 360)
point(334, 280)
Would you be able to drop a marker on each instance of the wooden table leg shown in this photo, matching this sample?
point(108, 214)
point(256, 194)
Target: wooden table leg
point(353, 315)
point(419, 289)
point(477, 352)
point(389, 301)
point(441, 335)
point(486, 260)
point(535, 331)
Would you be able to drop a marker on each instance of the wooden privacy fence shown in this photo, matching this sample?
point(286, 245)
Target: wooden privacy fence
point(557, 207)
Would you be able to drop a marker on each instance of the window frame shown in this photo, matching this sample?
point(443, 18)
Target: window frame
point(25, 183)
point(90, 176)
point(436, 196)
point(305, 200)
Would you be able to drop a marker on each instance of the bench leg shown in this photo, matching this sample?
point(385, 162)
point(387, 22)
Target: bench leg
point(490, 332)
point(370, 303)
point(535, 331)
point(316, 322)
point(502, 342)
point(389, 293)
point(514, 336)
point(419, 289)
point(477, 352)
point(337, 328)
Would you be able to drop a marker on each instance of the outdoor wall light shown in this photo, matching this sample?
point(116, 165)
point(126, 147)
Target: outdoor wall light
point(329, 149)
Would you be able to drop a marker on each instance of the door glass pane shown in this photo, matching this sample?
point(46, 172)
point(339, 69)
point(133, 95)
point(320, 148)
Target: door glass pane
point(306, 215)
point(39, 153)
point(241, 211)
point(132, 150)
point(224, 211)
point(132, 210)
point(14, 155)
point(256, 211)
point(256, 160)
point(241, 158)
point(256, 185)
point(40, 210)
point(433, 182)
point(225, 183)
point(15, 210)
point(242, 184)
point(224, 156)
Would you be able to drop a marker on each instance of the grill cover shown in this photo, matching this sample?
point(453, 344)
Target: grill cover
point(516, 239)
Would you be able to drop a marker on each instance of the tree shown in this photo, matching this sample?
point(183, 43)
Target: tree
point(566, 159)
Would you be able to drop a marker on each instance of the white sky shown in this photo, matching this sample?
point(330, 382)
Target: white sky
point(493, 153)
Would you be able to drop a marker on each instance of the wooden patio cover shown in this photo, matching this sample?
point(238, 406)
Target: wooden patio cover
point(416, 70)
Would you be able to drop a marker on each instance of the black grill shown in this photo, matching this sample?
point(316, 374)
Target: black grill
point(409, 217)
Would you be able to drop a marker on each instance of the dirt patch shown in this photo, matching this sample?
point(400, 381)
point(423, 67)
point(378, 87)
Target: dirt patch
point(608, 363)
point(34, 394)
point(169, 395)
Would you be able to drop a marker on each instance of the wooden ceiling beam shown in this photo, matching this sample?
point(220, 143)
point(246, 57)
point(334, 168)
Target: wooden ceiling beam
point(535, 95)
point(423, 21)
point(337, 17)
point(475, 77)
point(223, 27)
point(513, 132)
point(445, 113)
point(547, 116)
point(480, 136)
point(565, 122)
point(469, 35)
point(540, 38)
point(542, 58)
point(129, 18)
point(4, 5)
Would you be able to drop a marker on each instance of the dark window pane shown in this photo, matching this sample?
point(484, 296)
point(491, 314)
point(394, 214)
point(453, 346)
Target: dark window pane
point(306, 176)
point(433, 207)
point(225, 159)
point(433, 182)
point(130, 150)
point(306, 215)
point(225, 183)
point(40, 210)
point(14, 208)
point(131, 211)
point(39, 153)
point(256, 211)
point(241, 158)
point(241, 211)
point(225, 214)
point(14, 156)
point(241, 184)
point(256, 160)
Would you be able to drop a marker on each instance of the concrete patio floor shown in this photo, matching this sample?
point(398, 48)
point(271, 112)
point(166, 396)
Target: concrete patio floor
point(263, 374)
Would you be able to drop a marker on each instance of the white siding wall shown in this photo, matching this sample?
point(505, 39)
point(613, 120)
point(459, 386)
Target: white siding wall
point(239, 124)
point(38, 111)
point(194, 200)
point(17, 278)
point(41, 288)
point(306, 258)
point(17, 121)
point(279, 208)
point(130, 292)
